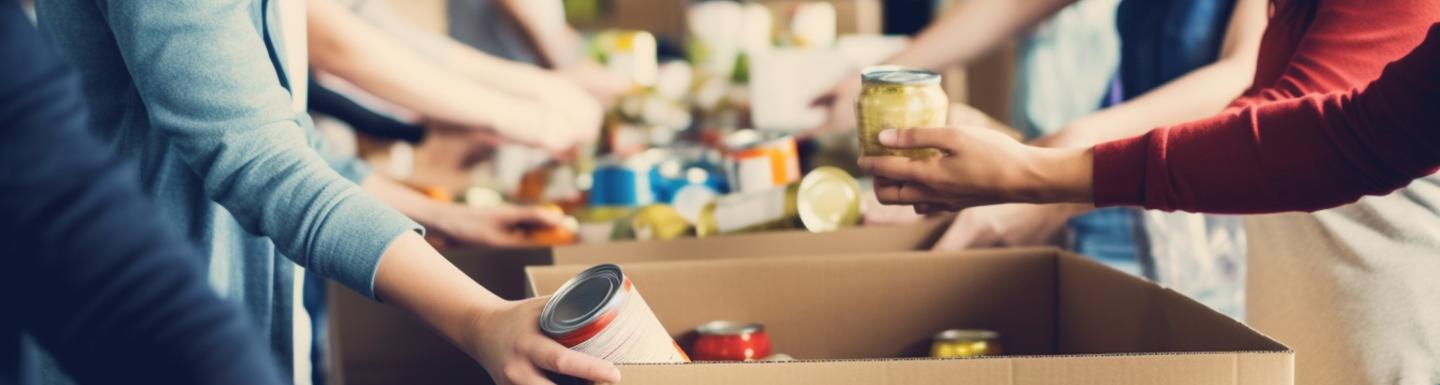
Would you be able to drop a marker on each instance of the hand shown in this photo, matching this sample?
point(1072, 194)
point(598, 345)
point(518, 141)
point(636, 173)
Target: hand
point(494, 226)
point(602, 85)
point(874, 213)
point(1007, 225)
point(509, 344)
point(840, 106)
point(977, 167)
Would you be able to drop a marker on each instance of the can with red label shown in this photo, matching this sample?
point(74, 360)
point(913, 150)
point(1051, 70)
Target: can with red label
point(731, 341)
point(600, 313)
point(760, 161)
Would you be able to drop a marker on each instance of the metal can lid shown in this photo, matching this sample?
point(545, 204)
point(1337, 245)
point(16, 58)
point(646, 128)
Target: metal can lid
point(828, 198)
point(583, 300)
point(728, 328)
point(901, 75)
point(966, 335)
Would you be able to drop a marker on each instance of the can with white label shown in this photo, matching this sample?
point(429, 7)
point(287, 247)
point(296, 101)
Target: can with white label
point(826, 199)
point(600, 313)
point(760, 161)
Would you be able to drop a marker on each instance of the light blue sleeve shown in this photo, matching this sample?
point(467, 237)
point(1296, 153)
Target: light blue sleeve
point(203, 70)
point(348, 165)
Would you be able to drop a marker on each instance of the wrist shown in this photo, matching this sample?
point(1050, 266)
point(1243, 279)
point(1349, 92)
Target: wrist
point(1055, 175)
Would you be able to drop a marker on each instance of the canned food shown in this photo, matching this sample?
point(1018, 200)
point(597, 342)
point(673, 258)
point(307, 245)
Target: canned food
point(731, 341)
point(760, 161)
point(960, 343)
point(600, 313)
point(658, 222)
point(896, 97)
point(562, 234)
point(620, 183)
point(629, 54)
point(824, 200)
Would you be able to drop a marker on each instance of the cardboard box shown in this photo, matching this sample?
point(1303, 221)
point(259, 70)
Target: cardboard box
point(375, 344)
point(1063, 320)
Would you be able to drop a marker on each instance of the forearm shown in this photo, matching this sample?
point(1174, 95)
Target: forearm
point(545, 30)
point(417, 206)
point(972, 28)
point(1199, 94)
point(1310, 153)
point(414, 277)
point(344, 45)
point(1053, 175)
point(502, 75)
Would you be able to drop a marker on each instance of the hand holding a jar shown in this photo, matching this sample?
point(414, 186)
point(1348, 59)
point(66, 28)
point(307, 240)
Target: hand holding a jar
point(976, 167)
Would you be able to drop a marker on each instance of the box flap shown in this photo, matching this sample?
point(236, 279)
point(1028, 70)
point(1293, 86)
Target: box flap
point(769, 244)
point(1107, 311)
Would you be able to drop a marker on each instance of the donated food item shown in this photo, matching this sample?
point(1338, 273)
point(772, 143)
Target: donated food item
point(826, 199)
point(730, 341)
point(896, 97)
point(960, 343)
point(760, 161)
point(658, 222)
point(600, 313)
point(621, 183)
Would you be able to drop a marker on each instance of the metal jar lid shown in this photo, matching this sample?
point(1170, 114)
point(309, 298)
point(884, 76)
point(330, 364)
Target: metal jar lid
point(828, 198)
point(583, 300)
point(728, 328)
point(966, 335)
point(899, 75)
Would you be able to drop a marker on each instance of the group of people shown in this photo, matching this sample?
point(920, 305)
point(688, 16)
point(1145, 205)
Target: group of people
point(166, 196)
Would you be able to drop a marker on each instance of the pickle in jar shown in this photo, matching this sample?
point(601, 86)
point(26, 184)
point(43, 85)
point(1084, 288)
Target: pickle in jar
point(898, 97)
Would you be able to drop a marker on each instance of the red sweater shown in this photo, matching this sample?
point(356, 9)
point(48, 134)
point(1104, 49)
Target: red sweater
point(1302, 137)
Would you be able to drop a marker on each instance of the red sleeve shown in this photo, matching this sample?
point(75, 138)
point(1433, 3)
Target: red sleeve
point(1310, 153)
point(1343, 45)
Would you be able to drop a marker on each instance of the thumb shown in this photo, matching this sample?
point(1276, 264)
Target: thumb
point(942, 138)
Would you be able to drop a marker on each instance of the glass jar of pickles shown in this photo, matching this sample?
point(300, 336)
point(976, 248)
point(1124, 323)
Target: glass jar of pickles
point(898, 97)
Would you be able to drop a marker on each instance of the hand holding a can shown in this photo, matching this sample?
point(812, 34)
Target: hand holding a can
point(511, 347)
point(976, 167)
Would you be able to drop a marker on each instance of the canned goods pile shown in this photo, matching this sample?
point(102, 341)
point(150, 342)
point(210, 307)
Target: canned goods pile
point(675, 157)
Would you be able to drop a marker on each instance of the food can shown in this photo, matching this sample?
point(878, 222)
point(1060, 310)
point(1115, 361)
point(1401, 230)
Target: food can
point(600, 313)
point(630, 54)
point(620, 183)
point(961, 343)
point(658, 222)
point(730, 341)
point(897, 97)
point(826, 199)
point(760, 161)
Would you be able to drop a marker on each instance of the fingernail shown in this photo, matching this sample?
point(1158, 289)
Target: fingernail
point(887, 137)
point(615, 374)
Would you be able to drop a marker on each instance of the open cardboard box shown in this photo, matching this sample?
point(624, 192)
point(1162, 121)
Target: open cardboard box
point(375, 344)
point(851, 319)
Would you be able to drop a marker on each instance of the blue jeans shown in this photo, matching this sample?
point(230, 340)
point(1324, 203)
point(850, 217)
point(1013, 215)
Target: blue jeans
point(1109, 236)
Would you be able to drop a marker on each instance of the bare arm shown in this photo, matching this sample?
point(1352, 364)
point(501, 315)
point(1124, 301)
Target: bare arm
point(971, 28)
point(1199, 94)
point(548, 35)
point(346, 46)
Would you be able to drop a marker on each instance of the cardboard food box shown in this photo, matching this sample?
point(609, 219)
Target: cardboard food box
point(375, 344)
point(860, 319)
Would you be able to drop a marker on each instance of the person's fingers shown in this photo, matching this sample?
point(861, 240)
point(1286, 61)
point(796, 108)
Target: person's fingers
point(966, 233)
point(552, 356)
point(895, 169)
point(944, 138)
point(908, 194)
point(522, 373)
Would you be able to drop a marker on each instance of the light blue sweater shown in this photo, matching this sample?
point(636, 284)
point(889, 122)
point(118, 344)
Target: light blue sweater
point(192, 91)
